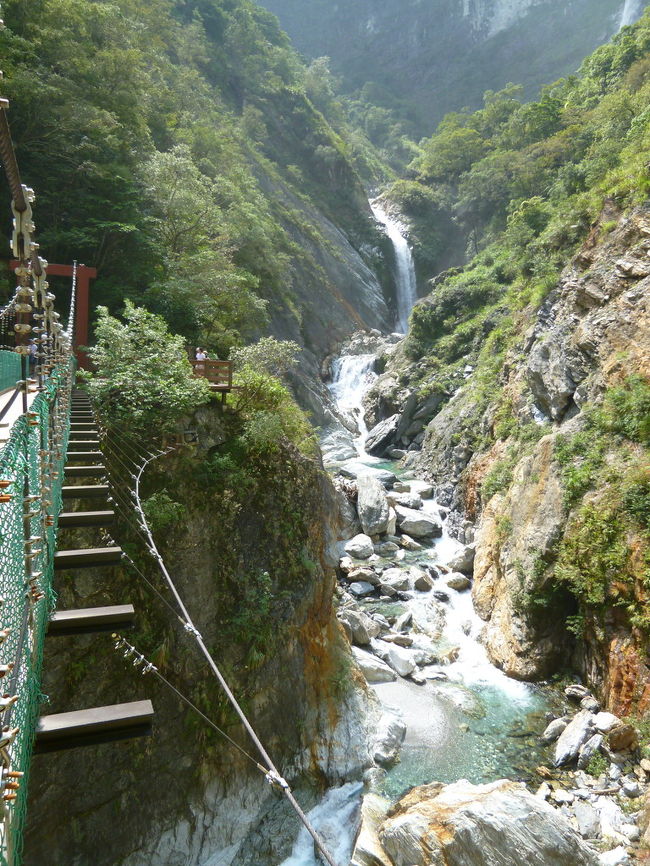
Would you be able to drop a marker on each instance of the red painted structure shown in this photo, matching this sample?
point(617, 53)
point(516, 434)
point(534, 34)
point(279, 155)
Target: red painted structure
point(84, 276)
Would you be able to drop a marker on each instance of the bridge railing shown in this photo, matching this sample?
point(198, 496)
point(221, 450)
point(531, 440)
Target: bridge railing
point(31, 477)
point(9, 370)
point(218, 373)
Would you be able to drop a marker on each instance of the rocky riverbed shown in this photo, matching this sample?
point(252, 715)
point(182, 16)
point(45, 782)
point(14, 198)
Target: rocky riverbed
point(458, 747)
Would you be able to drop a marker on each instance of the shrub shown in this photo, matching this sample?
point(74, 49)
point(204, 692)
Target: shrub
point(144, 380)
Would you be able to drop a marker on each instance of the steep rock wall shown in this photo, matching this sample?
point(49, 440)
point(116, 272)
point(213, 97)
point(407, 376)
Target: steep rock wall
point(184, 794)
point(494, 452)
point(440, 55)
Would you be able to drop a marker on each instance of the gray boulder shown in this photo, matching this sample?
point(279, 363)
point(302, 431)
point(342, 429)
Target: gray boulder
point(553, 730)
point(362, 627)
point(401, 660)
point(500, 824)
point(576, 733)
point(386, 548)
point(360, 589)
point(372, 505)
point(587, 819)
point(373, 669)
point(388, 739)
point(396, 578)
point(382, 435)
point(360, 546)
point(590, 748)
point(417, 523)
point(366, 574)
point(458, 581)
point(464, 560)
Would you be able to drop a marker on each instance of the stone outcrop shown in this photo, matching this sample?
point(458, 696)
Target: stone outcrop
point(372, 505)
point(500, 824)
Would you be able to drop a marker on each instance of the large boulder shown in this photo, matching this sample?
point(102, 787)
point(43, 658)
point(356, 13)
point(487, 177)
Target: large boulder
point(368, 850)
point(382, 435)
point(417, 523)
point(500, 824)
point(362, 627)
point(361, 547)
point(372, 505)
point(401, 660)
point(353, 469)
point(575, 735)
point(373, 669)
point(388, 739)
point(464, 560)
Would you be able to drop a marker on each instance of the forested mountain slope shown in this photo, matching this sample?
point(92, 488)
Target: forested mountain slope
point(422, 58)
point(174, 147)
point(538, 350)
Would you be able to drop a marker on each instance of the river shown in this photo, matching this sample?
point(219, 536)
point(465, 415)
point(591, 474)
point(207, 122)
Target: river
point(467, 719)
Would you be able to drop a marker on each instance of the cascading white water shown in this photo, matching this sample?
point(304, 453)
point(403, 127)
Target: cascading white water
point(406, 290)
point(629, 13)
point(352, 375)
point(336, 820)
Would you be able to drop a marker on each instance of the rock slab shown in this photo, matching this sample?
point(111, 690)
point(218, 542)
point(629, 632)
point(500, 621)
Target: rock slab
point(500, 824)
point(372, 505)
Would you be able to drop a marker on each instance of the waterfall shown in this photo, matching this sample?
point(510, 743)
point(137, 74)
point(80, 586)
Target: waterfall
point(405, 282)
point(629, 13)
point(352, 375)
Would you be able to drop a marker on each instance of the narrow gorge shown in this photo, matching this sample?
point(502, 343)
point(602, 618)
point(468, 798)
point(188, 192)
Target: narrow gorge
point(364, 397)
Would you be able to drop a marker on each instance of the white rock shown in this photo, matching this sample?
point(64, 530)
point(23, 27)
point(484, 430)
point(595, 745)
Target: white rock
point(346, 564)
point(373, 669)
point(458, 581)
point(360, 546)
point(590, 748)
point(391, 526)
point(464, 560)
point(615, 857)
point(553, 730)
point(368, 850)
point(401, 660)
point(361, 588)
point(604, 722)
point(631, 831)
point(397, 578)
point(388, 739)
point(562, 797)
point(577, 732)
point(409, 543)
point(422, 488)
point(588, 821)
point(416, 523)
point(362, 627)
point(372, 505)
point(500, 824)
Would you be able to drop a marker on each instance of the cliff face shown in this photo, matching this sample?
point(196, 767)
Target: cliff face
point(440, 55)
point(545, 465)
point(254, 570)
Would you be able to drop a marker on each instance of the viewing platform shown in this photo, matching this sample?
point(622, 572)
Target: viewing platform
point(218, 374)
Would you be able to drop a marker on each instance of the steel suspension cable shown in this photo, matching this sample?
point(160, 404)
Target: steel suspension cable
point(272, 774)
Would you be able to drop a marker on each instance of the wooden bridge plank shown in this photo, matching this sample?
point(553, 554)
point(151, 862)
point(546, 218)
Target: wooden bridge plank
point(97, 725)
point(89, 557)
point(70, 519)
point(83, 491)
point(91, 619)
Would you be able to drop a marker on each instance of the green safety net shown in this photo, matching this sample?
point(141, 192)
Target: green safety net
point(9, 369)
point(32, 461)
